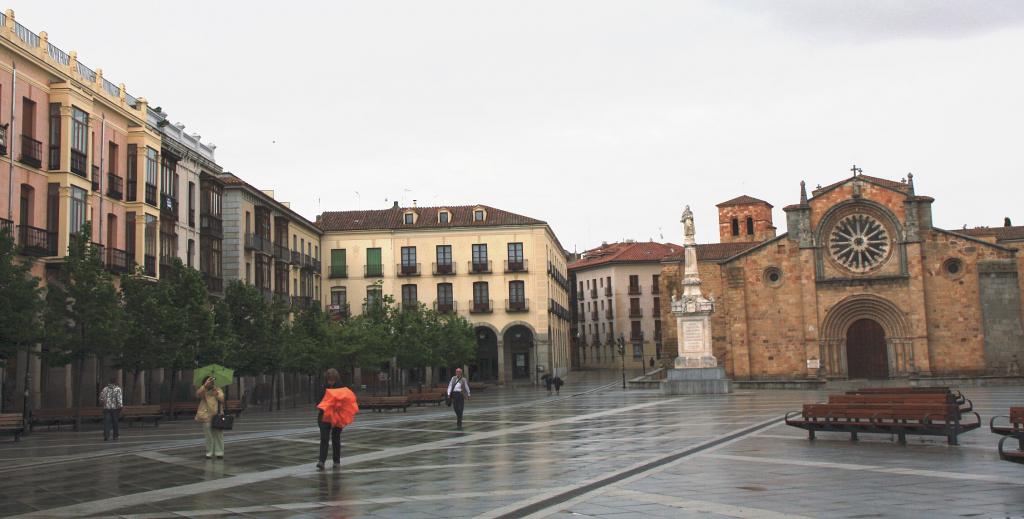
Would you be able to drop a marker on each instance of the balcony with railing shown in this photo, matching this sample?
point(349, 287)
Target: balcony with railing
point(444, 307)
point(581, 295)
point(635, 336)
point(3, 140)
point(655, 289)
point(166, 263)
point(593, 315)
point(169, 205)
point(95, 178)
point(635, 313)
point(296, 258)
point(517, 305)
point(302, 302)
point(593, 293)
point(607, 313)
point(211, 225)
point(373, 271)
point(407, 269)
point(149, 265)
point(117, 261)
point(595, 341)
point(337, 271)
point(340, 310)
point(214, 284)
point(78, 163)
point(281, 253)
point(516, 265)
point(31, 152)
point(259, 244)
point(608, 291)
point(443, 269)
point(150, 194)
point(634, 290)
point(481, 306)
point(7, 226)
point(33, 241)
point(480, 267)
point(317, 266)
point(115, 187)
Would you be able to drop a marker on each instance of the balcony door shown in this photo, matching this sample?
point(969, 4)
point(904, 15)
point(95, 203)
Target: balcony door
point(111, 231)
point(26, 205)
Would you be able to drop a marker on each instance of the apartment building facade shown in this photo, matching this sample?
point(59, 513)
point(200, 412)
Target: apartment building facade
point(268, 245)
point(504, 272)
point(618, 297)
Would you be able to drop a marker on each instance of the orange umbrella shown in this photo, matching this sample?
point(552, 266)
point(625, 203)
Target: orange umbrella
point(339, 406)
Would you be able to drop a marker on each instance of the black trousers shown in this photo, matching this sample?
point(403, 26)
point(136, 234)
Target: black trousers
point(110, 417)
point(459, 403)
point(334, 434)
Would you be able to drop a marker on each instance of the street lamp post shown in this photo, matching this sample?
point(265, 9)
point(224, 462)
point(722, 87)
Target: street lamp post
point(621, 341)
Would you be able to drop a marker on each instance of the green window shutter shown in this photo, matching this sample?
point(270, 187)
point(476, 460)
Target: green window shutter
point(337, 257)
point(373, 257)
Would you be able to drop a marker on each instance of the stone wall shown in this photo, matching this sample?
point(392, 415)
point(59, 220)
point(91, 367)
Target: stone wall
point(999, 292)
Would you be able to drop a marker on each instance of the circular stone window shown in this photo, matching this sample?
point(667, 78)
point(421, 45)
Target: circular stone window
point(772, 276)
point(953, 268)
point(859, 242)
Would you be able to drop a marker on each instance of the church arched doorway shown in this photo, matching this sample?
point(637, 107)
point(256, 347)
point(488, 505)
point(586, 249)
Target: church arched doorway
point(866, 355)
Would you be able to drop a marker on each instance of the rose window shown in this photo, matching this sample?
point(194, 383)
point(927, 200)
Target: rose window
point(859, 242)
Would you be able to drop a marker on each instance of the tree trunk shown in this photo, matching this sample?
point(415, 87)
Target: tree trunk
point(76, 379)
point(273, 391)
point(173, 384)
point(136, 394)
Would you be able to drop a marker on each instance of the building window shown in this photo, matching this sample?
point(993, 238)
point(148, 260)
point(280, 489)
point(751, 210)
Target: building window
point(408, 260)
point(517, 295)
point(374, 295)
point(132, 174)
point(112, 158)
point(339, 267)
point(445, 302)
point(191, 204)
point(735, 226)
point(129, 236)
point(480, 257)
point(410, 218)
point(248, 273)
point(191, 251)
point(635, 331)
point(152, 174)
point(515, 257)
point(655, 284)
point(750, 226)
point(409, 299)
point(339, 297)
point(772, 276)
point(54, 158)
point(77, 209)
point(657, 307)
point(373, 262)
point(443, 217)
point(478, 215)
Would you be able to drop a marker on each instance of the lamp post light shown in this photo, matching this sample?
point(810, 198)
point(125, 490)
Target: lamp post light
point(621, 341)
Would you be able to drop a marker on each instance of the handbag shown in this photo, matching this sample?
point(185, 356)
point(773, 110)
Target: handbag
point(224, 422)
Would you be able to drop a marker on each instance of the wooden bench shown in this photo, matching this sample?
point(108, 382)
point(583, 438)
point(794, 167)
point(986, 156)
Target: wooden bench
point(956, 394)
point(906, 398)
point(1015, 430)
point(234, 407)
point(12, 423)
point(427, 396)
point(928, 419)
point(60, 416)
point(380, 403)
point(141, 413)
point(186, 408)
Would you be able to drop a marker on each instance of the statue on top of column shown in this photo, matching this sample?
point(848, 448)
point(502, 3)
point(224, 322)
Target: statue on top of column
point(687, 220)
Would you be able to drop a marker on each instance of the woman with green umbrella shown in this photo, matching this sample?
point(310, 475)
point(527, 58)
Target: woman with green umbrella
point(211, 403)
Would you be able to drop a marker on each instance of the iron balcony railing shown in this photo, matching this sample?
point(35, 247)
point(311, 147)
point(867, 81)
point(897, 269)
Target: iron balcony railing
point(165, 264)
point(32, 152)
point(516, 265)
point(373, 271)
point(281, 253)
point(95, 178)
point(259, 244)
point(481, 307)
point(338, 271)
point(169, 205)
point(408, 269)
point(480, 267)
point(444, 307)
point(634, 290)
point(593, 293)
point(117, 261)
point(636, 312)
point(607, 313)
point(581, 295)
point(211, 225)
point(302, 302)
point(655, 289)
point(214, 284)
point(339, 310)
point(150, 194)
point(593, 315)
point(596, 341)
point(115, 186)
point(33, 241)
point(296, 258)
point(7, 226)
point(149, 265)
point(78, 164)
point(608, 291)
point(517, 305)
point(443, 269)
point(636, 336)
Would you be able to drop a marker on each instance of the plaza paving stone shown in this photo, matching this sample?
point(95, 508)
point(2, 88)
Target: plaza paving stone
point(518, 447)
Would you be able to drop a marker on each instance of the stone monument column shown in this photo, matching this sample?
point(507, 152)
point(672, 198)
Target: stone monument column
point(696, 368)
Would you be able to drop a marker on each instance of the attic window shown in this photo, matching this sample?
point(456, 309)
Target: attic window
point(443, 217)
point(410, 218)
point(478, 215)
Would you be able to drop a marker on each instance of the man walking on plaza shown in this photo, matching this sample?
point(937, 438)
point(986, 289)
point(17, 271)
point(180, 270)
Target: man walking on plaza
point(458, 392)
point(113, 400)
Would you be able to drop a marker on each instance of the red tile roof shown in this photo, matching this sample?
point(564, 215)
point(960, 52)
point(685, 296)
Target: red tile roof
point(1000, 233)
point(628, 252)
point(716, 251)
point(387, 219)
point(743, 200)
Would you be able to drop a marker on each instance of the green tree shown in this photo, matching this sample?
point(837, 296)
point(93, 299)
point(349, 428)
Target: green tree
point(259, 327)
point(83, 313)
point(20, 304)
point(188, 323)
point(457, 343)
point(145, 339)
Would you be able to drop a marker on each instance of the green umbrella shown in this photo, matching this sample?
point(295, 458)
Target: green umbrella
point(224, 376)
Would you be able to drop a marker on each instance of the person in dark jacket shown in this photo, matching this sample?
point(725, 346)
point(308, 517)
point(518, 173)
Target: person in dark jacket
point(557, 382)
point(327, 431)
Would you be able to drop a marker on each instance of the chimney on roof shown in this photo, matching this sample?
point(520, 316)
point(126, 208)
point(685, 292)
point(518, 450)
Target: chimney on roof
point(414, 203)
point(1006, 222)
point(396, 205)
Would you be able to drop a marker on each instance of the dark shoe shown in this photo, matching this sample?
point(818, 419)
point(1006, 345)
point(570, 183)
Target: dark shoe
point(208, 456)
point(220, 456)
point(335, 465)
point(106, 439)
point(320, 465)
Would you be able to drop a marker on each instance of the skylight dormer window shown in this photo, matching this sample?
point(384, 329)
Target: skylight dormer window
point(479, 215)
point(409, 218)
point(444, 217)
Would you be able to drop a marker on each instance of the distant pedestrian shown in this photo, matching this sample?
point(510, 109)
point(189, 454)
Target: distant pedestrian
point(327, 431)
point(458, 392)
point(548, 382)
point(211, 402)
point(113, 400)
point(557, 382)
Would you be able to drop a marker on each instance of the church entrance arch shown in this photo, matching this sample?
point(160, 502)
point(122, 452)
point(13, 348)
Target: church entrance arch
point(866, 336)
point(866, 351)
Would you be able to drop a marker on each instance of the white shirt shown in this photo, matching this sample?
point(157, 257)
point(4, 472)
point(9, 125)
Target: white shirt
point(457, 385)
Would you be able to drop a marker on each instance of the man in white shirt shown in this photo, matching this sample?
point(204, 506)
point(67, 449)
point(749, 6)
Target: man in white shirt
point(458, 392)
point(113, 400)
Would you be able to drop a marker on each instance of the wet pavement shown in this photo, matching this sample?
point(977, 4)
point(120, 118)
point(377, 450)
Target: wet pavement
point(593, 451)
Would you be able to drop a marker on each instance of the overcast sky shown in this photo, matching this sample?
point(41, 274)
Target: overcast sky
point(602, 118)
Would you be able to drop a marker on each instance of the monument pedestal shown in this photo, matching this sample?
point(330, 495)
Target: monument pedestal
point(696, 381)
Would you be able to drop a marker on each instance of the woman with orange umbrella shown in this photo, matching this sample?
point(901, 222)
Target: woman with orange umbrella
point(336, 410)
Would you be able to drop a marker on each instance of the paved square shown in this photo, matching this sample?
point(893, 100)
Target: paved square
point(594, 451)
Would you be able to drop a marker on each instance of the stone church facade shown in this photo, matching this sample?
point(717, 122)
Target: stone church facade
point(862, 286)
